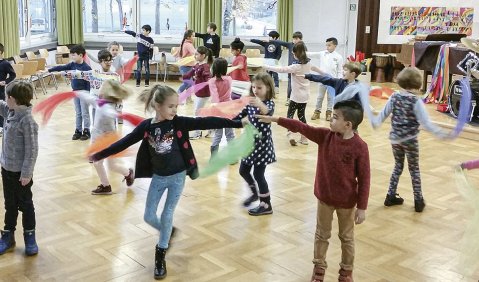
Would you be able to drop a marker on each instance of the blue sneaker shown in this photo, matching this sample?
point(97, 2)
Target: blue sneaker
point(7, 242)
point(31, 247)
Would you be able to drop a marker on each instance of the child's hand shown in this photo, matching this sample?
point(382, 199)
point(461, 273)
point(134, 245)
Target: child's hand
point(245, 122)
point(25, 181)
point(359, 216)
point(267, 119)
point(255, 102)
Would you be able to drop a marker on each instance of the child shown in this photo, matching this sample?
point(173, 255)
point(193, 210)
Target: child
point(342, 181)
point(272, 54)
point(300, 85)
point(263, 153)
point(186, 50)
point(220, 89)
point(144, 47)
point(7, 75)
point(211, 40)
point(110, 93)
point(297, 37)
point(331, 63)
point(19, 154)
point(408, 112)
point(166, 156)
point(239, 61)
point(81, 108)
point(201, 73)
point(346, 88)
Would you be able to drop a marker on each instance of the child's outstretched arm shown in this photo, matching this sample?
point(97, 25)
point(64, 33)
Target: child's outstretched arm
point(425, 121)
point(314, 134)
point(93, 58)
point(130, 32)
point(287, 69)
point(376, 121)
point(324, 79)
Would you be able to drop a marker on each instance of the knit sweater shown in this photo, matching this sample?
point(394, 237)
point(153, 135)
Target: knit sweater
point(340, 85)
point(272, 50)
point(288, 45)
point(144, 44)
point(20, 140)
point(299, 85)
point(201, 72)
point(342, 169)
point(210, 41)
point(7, 73)
point(77, 84)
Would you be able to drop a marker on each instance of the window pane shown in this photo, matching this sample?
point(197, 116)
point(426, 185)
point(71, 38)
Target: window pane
point(249, 17)
point(100, 16)
point(21, 20)
point(166, 17)
point(41, 16)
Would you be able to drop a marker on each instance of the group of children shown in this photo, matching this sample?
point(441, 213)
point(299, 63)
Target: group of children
point(342, 180)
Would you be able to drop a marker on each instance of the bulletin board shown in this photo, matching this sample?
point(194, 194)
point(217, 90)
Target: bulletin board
point(400, 21)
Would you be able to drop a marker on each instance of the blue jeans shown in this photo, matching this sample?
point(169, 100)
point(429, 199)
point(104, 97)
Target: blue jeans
point(229, 133)
point(82, 114)
point(174, 183)
point(183, 70)
point(143, 59)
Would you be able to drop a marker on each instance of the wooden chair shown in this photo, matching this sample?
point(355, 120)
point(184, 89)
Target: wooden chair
point(17, 59)
point(18, 68)
point(43, 53)
point(30, 55)
point(29, 73)
point(61, 51)
point(253, 53)
point(42, 73)
point(225, 53)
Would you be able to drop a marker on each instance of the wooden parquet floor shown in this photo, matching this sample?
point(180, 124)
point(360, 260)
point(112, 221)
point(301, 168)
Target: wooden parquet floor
point(104, 238)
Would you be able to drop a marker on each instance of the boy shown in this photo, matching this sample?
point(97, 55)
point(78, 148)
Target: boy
point(297, 37)
point(7, 75)
point(346, 88)
point(144, 47)
point(19, 154)
point(211, 40)
point(272, 54)
point(81, 108)
point(342, 181)
point(331, 63)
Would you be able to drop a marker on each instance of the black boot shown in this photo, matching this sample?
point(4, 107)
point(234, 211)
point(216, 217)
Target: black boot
point(160, 263)
point(213, 150)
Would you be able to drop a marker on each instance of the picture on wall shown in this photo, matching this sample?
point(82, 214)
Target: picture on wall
point(430, 20)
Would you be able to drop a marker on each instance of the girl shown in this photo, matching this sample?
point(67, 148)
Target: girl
point(239, 63)
point(408, 112)
point(165, 155)
point(220, 88)
point(111, 93)
point(201, 73)
point(19, 154)
point(263, 153)
point(186, 50)
point(300, 86)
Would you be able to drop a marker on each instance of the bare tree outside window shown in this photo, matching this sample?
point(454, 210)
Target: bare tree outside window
point(249, 17)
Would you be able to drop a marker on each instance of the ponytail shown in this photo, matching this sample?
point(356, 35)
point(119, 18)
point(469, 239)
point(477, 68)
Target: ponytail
point(157, 94)
point(187, 34)
point(207, 52)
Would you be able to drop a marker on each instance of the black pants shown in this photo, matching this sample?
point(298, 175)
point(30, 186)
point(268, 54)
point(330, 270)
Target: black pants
point(258, 174)
point(300, 107)
point(17, 198)
point(289, 85)
point(143, 59)
point(2, 97)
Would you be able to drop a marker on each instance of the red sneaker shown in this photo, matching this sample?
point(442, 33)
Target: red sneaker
point(318, 274)
point(345, 275)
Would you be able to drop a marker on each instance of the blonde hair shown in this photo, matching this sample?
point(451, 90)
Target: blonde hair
point(158, 94)
point(113, 91)
point(410, 78)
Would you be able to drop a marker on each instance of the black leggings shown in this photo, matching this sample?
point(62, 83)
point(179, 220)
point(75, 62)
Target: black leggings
point(258, 173)
point(301, 107)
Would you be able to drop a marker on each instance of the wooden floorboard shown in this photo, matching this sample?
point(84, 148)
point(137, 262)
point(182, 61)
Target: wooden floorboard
point(104, 238)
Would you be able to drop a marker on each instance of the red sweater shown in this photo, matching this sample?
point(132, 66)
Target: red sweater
point(240, 74)
point(201, 74)
point(342, 171)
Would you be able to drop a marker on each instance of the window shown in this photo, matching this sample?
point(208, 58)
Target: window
point(106, 15)
point(249, 17)
point(168, 18)
point(36, 20)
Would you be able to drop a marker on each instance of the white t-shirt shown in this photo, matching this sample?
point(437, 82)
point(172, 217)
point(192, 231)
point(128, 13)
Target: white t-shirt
point(329, 62)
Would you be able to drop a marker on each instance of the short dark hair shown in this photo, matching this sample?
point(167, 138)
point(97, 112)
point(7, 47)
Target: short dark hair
point(146, 27)
point(274, 34)
point(409, 78)
point(78, 49)
point(2, 48)
point(212, 26)
point(353, 67)
point(298, 34)
point(21, 91)
point(104, 55)
point(352, 111)
point(332, 40)
point(219, 67)
point(237, 44)
point(299, 50)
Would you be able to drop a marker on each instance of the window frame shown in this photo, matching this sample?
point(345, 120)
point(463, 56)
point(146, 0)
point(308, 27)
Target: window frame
point(35, 40)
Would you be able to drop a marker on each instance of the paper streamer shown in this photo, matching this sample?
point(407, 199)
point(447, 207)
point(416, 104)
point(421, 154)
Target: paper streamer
point(104, 141)
point(126, 71)
point(190, 91)
point(241, 87)
point(381, 92)
point(464, 107)
point(186, 61)
point(131, 118)
point(228, 109)
point(47, 106)
point(440, 77)
point(237, 149)
point(469, 257)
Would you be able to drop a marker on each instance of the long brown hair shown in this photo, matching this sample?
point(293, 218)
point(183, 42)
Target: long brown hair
point(206, 51)
point(159, 93)
point(267, 80)
point(187, 34)
point(299, 50)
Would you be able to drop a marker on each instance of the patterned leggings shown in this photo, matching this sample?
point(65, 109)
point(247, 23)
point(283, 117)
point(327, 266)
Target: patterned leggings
point(301, 107)
point(410, 149)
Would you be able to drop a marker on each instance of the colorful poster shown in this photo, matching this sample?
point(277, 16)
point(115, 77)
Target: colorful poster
point(430, 20)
